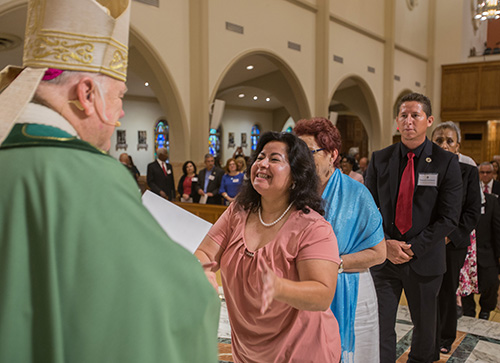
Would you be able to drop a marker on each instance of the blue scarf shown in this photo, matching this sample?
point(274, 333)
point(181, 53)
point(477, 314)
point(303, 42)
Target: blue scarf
point(357, 223)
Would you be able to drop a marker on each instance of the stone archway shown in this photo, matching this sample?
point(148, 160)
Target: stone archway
point(357, 114)
point(267, 95)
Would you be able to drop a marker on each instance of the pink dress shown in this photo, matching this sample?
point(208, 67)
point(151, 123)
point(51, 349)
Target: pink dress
point(357, 177)
point(282, 333)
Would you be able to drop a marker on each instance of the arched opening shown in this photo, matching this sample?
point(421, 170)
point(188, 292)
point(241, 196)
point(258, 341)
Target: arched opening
point(353, 109)
point(258, 88)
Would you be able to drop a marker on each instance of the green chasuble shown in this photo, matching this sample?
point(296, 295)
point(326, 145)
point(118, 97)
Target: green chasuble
point(86, 273)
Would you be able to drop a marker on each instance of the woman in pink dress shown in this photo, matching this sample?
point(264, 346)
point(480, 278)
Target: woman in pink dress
point(278, 258)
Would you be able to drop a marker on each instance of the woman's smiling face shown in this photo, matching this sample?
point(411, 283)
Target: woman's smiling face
point(270, 173)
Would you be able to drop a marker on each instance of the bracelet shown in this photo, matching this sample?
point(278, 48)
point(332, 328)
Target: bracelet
point(341, 266)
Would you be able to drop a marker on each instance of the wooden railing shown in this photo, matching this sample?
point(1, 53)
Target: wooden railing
point(208, 212)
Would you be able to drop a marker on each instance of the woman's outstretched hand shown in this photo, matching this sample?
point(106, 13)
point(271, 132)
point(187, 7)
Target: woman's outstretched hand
point(269, 283)
point(207, 267)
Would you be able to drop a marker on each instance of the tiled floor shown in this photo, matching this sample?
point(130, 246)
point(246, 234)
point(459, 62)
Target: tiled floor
point(478, 341)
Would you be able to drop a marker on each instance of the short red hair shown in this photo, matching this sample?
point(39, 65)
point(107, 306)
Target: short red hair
point(327, 136)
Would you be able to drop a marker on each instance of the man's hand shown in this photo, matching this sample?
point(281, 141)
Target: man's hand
point(398, 252)
point(163, 194)
point(201, 192)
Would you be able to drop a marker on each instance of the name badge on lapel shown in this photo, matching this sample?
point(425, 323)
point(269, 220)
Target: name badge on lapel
point(211, 177)
point(169, 171)
point(194, 179)
point(237, 180)
point(427, 179)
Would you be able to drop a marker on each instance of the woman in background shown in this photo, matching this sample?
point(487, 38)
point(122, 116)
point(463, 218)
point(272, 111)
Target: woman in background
point(357, 223)
point(347, 165)
point(231, 182)
point(447, 136)
point(187, 182)
point(278, 259)
point(241, 164)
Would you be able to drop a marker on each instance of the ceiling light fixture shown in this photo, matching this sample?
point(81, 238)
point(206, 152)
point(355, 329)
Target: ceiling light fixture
point(250, 67)
point(268, 99)
point(488, 9)
point(241, 95)
point(255, 98)
point(146, 84)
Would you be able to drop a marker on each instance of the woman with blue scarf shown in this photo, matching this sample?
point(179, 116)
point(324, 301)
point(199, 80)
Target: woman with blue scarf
point(357, 223)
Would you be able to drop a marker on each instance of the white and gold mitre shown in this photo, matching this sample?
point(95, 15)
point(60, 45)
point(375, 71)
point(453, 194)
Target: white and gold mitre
point(78, 35)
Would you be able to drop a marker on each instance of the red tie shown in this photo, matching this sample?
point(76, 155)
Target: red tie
point(164, 170)
point(486, 189)
point(404, 204)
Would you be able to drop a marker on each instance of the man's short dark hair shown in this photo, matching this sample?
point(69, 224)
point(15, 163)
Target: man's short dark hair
point(208, 156)
point(420, 98)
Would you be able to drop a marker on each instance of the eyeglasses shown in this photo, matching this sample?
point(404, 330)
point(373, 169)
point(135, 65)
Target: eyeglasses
point(316, 150)
point(485, 172)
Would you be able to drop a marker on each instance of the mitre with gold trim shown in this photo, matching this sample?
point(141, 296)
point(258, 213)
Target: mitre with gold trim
point(76, 35)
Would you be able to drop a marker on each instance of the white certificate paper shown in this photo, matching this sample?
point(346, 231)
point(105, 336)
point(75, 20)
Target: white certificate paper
point(182, 226)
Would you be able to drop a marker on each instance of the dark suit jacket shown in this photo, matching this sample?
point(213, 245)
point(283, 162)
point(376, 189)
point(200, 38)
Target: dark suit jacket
point(436, 209)
point(194, 190)
point(213, 184)
point(495, 189)
point(158, 181)
point(471, 207)
point(488, 233)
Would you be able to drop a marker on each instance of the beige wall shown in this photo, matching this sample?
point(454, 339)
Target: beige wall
point(188, 50)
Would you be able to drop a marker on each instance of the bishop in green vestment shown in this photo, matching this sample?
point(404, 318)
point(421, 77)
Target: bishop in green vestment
point(86, 274)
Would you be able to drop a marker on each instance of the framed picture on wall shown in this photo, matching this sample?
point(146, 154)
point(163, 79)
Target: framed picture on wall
point(142, 140)
point(230, 140)
point(121, 139)
point(244, 139)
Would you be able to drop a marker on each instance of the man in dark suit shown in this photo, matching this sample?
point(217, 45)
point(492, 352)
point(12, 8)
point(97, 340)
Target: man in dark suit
point(160, 176)
point(418, 188)
point(488, 254)
point(488, 184)
point(209, 180)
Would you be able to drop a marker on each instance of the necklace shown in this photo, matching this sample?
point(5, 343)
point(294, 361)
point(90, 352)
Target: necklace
point(276, 221)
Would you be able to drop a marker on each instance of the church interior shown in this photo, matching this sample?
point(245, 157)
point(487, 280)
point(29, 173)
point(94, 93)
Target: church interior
point(211, 76)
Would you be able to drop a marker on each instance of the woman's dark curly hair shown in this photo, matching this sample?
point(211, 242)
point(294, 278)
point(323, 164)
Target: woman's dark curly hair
point(303, 172)
point(184, 167)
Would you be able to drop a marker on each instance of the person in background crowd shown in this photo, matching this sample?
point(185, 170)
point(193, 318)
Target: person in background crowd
point(160, 176)
point(124, 158)
point(354, 153)
point(187, 183)
point(353, 215)
point(278, 259)
point(418, 188)
point(495, 169)
point(488, 259)
point(488, 184)
point(231, 182)
point(209, 180)
point(241, 164)
point(347, 165)
point(363, 166)
point(447, 136)
point(136, 171)
point(86, 273)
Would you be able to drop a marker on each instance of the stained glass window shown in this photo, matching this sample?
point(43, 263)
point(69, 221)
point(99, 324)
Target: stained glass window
point(289, 129)
point(214, 142)
point(162, 136)
point(254, 137)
